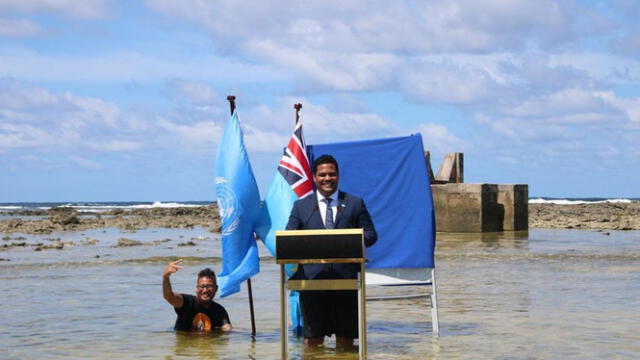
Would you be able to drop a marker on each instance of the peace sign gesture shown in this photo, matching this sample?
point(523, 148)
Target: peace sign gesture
point(172, 267)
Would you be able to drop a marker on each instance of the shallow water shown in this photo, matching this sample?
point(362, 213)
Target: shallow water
point(545, 294)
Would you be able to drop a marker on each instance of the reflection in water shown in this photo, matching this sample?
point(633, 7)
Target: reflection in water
point(487, 240)
point(195, 345)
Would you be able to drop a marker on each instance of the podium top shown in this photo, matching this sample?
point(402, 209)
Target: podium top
point(320, 246)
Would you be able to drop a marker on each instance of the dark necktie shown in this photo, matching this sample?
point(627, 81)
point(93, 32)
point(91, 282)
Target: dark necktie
point(328, 217)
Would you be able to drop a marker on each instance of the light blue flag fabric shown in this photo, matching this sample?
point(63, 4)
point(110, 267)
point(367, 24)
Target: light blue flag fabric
point(276, 211)
point(238, 200)
point(277, 207)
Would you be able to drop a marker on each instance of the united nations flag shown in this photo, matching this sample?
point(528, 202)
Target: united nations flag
point(238, 200)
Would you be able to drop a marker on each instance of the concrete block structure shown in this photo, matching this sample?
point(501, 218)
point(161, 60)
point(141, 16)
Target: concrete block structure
point(464, 207)
point(480, 207)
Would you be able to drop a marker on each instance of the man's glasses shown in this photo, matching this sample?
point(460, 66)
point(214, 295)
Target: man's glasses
point(206, 287)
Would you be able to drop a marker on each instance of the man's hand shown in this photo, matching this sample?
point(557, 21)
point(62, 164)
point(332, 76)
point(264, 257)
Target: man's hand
point(172, 298)
point(172, 267)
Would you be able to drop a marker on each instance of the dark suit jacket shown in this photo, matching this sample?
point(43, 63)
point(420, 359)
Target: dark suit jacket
point(352, 214)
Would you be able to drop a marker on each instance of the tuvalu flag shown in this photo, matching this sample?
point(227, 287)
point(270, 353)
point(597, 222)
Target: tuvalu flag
point(238, 201)
point(292, 182)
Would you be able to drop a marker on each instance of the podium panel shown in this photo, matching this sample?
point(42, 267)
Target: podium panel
point(321, 247)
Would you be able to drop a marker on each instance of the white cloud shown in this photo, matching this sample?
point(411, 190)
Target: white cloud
point(630, 106)
point(20, 96)
point(334, 126)
point(19, 28)
point(337, 71)
point(268, 128)
point(21, 135)
point(202, 134)
point(122, 66)
point(409, 26)
point(261, 140)
point(85, 9)
point(438, 138)
point(34, 117)
point(85, 163)
point(520, 130)
point(40, 119)
point(198, 92)
point(482, 53)
point(446, 82)
point(323, 124)
point(570, 104)
point(602, 66)
point(114, 145)
point(27, 103)
point(93, 110)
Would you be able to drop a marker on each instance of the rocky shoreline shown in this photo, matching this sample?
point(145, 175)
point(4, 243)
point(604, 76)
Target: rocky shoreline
point(593, 216)
point(70, 219)
point(596, 216)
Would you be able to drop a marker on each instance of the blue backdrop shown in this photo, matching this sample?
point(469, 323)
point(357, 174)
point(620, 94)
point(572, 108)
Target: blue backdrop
point(391, 176)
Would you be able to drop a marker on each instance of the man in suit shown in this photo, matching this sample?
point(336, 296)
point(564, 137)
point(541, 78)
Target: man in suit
point(330, 312)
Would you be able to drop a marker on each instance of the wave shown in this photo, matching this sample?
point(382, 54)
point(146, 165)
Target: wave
point(579, 201)
point(102, 206)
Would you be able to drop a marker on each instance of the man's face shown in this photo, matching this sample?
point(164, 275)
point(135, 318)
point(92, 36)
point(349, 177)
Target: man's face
point(326, 179)
point(206, 289)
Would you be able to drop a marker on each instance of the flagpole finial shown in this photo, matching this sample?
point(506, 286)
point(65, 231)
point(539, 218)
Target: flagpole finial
point(297, 106)
point(232, 102)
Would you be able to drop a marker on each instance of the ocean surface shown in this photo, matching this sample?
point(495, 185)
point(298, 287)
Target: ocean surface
point(537, 294)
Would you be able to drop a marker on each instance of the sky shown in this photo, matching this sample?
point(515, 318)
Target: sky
point(126, 100)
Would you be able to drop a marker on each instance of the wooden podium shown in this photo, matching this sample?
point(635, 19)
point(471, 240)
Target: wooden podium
point(321, 247)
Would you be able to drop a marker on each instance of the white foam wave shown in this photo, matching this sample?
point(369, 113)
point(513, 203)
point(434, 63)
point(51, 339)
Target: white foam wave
point(158, 204)
point(576, 202)
point(103, 207)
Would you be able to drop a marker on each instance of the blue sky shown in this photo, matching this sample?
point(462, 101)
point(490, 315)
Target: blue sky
point(126, 100)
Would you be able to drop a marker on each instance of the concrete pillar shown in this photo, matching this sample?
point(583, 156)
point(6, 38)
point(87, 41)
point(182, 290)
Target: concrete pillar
point(515, 201)
point(427, 159)
point(451, 170)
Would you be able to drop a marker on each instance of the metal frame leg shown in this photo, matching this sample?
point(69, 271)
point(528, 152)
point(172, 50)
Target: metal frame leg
point(362, 314)
point(435, 321)
point(283, 314)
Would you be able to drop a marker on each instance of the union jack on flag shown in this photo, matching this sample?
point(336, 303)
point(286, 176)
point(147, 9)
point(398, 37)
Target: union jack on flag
point(294, 164)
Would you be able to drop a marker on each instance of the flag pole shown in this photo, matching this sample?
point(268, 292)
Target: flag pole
point(232, 106)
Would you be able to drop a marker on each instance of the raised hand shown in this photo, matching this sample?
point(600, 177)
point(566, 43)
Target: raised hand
point(172, 267)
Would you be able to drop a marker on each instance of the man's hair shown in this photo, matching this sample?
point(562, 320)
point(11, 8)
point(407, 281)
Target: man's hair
point(324, 159)
point(207, 273)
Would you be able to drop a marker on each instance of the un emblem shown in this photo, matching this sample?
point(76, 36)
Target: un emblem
point(227, 205)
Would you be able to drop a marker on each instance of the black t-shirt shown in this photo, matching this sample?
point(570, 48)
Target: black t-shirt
point(192, 316)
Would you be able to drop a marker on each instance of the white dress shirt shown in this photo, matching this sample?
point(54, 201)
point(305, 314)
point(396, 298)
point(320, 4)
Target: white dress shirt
point(322, 206)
